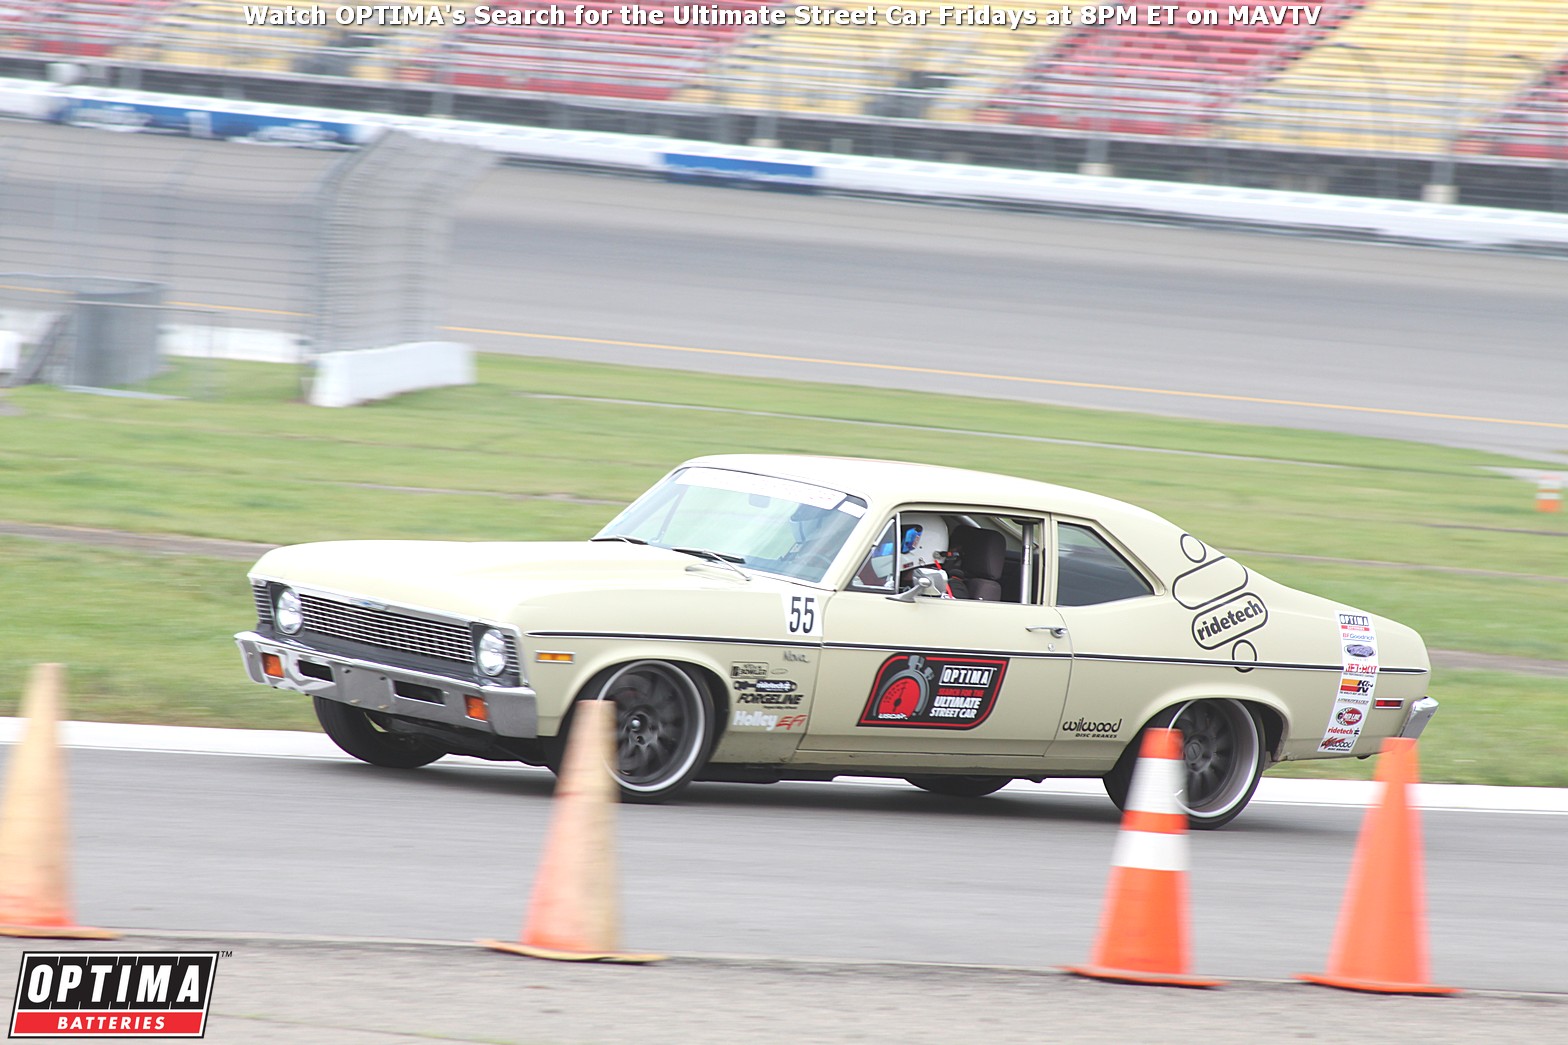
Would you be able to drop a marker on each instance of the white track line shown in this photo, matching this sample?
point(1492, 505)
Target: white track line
point(274, 743)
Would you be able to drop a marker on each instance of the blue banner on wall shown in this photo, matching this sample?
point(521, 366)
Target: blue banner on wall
point(261, 128)
point(730, 170)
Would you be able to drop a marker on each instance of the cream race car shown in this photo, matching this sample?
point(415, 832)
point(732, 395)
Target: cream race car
point(765, 618)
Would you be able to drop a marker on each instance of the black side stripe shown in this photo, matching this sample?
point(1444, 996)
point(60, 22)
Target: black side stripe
point(1016, 654)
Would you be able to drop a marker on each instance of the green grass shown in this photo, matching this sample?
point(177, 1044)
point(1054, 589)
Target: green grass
point(1491, 729)
point(147, 637)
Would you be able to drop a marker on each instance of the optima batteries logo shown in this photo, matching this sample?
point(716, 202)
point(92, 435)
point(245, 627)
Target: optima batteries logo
point(104, 994)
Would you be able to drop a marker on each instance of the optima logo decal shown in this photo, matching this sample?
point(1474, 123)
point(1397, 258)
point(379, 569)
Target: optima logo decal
point(105, 994)
point(936, 692)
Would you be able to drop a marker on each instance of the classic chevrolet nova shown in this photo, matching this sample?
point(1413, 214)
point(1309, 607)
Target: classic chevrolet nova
point(765, 618)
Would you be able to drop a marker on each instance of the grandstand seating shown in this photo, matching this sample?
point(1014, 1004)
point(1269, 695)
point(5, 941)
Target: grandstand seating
point(213, 34)
point(1157, 79)
point(74, 28)
point(613, 60)
point(1389, 76)
point(1406, 76)
point(934, 71)
point(1533, 125)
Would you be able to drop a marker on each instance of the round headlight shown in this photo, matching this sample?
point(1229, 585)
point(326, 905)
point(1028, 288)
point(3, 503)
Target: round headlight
point(288, 613)
point(492, 652)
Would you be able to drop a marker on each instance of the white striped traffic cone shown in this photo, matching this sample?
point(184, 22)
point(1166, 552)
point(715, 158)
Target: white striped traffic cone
point(1549, 494)
point(1143, 931)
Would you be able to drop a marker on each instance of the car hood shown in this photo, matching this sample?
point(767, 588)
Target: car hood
point(482, 579)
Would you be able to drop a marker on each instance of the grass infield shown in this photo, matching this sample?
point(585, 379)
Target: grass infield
point(546, 449)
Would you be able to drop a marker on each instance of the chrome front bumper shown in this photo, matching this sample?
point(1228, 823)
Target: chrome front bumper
point(510, 712)
point(1421, 713)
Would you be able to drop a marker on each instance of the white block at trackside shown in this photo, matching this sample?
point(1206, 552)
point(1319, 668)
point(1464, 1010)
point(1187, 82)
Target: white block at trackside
point(365, 375)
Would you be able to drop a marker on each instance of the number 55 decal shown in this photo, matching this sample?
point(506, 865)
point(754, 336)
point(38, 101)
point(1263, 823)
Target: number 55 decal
point(803, 615)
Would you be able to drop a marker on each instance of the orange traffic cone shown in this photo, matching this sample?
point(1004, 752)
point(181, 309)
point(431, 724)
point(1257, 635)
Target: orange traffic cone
point(1380, 944)
point(34, 872)
point(573, 915)
point(1143, 931)
point(1549, 494)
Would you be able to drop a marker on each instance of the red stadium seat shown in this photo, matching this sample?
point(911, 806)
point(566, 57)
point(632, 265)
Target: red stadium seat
point(1161, 80)
point(75, 28)
point(613, 60)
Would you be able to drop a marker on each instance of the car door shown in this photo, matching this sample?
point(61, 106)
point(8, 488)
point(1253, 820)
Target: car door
point(943, 679)
point(1129, 640)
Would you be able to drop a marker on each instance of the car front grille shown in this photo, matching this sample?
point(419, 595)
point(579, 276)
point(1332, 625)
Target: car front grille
point(446, 640)
point(388, 630)
point(263, 599)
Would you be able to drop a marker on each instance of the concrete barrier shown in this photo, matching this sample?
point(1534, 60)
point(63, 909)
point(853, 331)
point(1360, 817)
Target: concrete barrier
point(1338, 216)
point(365, 375)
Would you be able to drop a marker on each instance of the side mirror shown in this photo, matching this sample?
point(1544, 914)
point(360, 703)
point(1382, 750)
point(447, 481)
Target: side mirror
point(929, 583)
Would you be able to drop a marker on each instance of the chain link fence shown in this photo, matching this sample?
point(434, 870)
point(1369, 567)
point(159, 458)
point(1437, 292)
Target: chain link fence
point(384, 219)
point(214, 250)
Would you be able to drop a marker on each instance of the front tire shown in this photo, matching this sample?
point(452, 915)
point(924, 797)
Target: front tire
point(960, 786)
point(663, 729)
point(1223, 747)
point(357, 732)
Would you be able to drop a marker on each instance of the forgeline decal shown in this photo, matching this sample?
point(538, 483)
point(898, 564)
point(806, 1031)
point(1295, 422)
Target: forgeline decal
point(1357, 683)
point(934, 692)
point(1085, 729)
point(768, 693)
point(763, 720)
point(1215, 588)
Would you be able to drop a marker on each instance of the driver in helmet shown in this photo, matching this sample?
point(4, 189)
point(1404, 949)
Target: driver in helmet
point(923, 543)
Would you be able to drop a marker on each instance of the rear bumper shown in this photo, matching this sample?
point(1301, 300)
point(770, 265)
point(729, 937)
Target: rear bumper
point(510, 711)
point(1421, 713)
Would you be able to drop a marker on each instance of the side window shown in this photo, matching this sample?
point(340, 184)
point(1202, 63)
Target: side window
point(1089, 571)
point(877, 572)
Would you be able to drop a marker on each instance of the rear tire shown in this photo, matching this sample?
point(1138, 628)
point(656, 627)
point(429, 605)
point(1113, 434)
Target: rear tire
point(1223, 746)
point(357, 732)
point(960, 786)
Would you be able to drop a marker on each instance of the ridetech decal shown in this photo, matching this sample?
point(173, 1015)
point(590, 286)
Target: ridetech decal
point(1225, 611)
point(1357, 682)
point(934, 692)
point(108, 994)
point(1230, 620)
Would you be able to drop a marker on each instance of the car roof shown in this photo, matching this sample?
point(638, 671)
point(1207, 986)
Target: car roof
point(891, 482)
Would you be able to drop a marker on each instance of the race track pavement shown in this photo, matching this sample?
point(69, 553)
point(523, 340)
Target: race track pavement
point(374, 991)
point(349, 992)
point(265, 743)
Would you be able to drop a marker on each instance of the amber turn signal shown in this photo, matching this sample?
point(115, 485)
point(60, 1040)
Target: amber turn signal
point(475, 707)
point(272, 665)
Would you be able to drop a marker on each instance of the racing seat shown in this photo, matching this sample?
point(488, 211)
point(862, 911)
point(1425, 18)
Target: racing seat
point(981, 558)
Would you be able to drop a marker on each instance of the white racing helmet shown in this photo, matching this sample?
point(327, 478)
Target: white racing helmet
point(922, 537)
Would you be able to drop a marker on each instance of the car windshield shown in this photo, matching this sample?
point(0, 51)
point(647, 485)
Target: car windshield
point(758, 522)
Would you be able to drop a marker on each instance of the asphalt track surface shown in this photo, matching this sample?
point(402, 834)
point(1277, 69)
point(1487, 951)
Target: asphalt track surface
point(1421, 344)
point(345, 900)
point(1441, 346)
point(244, 833)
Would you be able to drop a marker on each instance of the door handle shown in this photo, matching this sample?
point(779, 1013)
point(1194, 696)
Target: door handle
point(1056, 630)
